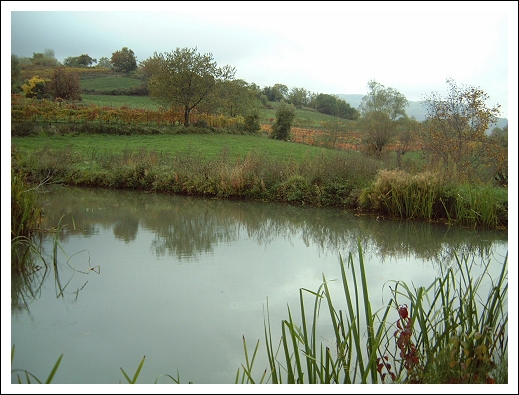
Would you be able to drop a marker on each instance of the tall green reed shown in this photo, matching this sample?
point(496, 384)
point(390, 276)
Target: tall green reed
point(25, 208)
point(449, 334)
point(480, 206)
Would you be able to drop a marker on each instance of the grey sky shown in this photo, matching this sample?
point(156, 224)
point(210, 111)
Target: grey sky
point(324, 47)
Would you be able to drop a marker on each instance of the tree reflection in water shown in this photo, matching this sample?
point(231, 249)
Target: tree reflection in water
point(190, 226)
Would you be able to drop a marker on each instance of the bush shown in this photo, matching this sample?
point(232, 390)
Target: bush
point(252, 124)
point(285, 115)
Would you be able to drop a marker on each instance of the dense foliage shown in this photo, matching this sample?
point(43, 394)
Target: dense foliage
point(285, 115)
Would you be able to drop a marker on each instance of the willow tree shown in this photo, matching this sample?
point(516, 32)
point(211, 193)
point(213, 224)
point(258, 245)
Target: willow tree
point(380, 110)
point(185, 78)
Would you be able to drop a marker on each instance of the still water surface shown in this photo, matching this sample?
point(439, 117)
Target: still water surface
point(181, 280)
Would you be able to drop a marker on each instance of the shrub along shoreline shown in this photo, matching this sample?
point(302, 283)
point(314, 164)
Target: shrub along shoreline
point(326, 178)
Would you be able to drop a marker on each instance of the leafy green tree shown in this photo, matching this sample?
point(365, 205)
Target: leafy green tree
point(285, 115)
point(79, 61)
point(333, 105)
point(454, 130)
point(71, 61)
point(252, 123)
point(326, 104)
point(124, 61)
point(185, 78)
point(298, 97)
point(232, 98)
point(15, 74)
point(380, 109)
point(44, 59)
point(344, 110)
point(85, 60)
point(104, 63)
point(64, 85)
point(276, 93)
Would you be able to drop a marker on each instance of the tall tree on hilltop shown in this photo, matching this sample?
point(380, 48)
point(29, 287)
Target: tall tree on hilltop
point(124, 61)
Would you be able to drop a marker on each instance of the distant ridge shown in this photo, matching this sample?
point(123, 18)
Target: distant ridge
point(414, 109)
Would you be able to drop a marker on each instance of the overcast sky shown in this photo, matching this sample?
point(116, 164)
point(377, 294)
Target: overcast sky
point(324, 47)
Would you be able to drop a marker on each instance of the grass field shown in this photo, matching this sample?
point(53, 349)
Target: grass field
point(121, 101)
point(106, 83)
point(210, 146)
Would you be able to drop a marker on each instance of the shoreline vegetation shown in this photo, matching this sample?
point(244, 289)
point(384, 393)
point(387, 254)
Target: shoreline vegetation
point(200, 161)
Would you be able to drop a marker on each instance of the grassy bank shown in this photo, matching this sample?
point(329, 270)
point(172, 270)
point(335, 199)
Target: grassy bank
point(210, 163)
point(223, 166)
point(169, 143)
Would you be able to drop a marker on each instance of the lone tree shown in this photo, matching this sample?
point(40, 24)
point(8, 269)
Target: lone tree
point(124, 61)
point(185, 78)
point(454, 130)
point(380, 109)
point(285, 115)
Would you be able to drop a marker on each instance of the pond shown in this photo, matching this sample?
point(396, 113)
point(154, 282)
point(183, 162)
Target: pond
point(181, 280)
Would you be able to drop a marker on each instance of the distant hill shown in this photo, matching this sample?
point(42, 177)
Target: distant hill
point(414, 109)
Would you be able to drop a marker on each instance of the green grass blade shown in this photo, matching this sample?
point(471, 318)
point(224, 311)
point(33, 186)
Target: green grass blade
point(353, 323)
point(54, 369)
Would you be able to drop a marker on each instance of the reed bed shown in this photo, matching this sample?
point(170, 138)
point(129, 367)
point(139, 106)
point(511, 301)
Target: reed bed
point(444, 333)
point(427, 196)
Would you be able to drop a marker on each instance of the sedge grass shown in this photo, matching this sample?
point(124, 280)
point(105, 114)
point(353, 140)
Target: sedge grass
point(426, 196)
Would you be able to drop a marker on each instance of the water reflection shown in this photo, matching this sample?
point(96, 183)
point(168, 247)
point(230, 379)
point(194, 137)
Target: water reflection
point(27, 284)
point(189, 227)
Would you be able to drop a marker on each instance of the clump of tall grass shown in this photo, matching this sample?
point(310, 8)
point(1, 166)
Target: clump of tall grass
point(25, 208)
point(447, 332)
point(29, 376)
point(479, 206)
point(428, 196)
point(400, 194)
point(25, 219)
